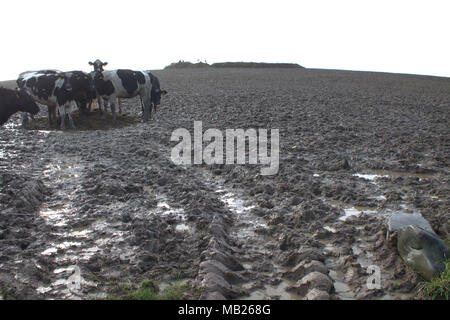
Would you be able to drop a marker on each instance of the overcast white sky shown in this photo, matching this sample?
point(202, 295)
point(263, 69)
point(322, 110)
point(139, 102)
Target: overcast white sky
point(392, 36)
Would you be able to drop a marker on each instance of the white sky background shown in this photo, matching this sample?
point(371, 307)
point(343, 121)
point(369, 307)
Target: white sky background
point(391, 36)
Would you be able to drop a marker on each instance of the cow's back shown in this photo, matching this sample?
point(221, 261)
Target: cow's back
point(126, 83)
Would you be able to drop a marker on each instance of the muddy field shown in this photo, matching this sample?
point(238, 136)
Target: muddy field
point(110, 206)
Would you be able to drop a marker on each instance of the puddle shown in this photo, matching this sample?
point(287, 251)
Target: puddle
point(166, 209)
point(375, 174)
point(163, 208)
point(56, 217)
point(356, 211)
point(271, 292)
point(234, 203)
point(182, 227)
point(68, 244)
point(367, 176)
point(49, 251)
point(342, 290)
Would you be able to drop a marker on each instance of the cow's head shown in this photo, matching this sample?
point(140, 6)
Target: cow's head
point(98, 65)
point(25, 102)
point(156, 96)
point(156, 92)
point(67, 85)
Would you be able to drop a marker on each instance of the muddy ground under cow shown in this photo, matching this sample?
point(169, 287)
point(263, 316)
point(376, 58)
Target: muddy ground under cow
point(109, 206)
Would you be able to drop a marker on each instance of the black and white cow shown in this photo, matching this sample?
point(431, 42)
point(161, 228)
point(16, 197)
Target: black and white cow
point(51, 88)
point(98, 67)
point(124, 83)
point(83, 88)
point(12, 101)
point(56, 89)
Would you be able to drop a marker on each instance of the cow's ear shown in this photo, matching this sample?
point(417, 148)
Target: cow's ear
point(90, 63)
point(105, 63)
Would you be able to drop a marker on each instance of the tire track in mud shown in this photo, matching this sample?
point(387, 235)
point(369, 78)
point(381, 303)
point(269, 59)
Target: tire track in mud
point(75, 240)
point(239, 262)
point(102, 222)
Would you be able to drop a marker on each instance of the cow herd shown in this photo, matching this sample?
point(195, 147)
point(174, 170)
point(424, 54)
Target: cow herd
point(67, 91)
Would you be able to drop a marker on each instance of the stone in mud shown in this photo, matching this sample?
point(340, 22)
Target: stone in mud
point(399, 220)
point(304, 267)
point(312, 280)
point(316, 294)
point(423, 251)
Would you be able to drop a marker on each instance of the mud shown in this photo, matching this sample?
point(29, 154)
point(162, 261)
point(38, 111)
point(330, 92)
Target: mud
point(94, 120)
point(106, 200)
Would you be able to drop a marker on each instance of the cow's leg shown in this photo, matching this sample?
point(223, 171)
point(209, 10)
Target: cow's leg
point(49, 109)
point(105, 106)
point(55, 115)
point(80, 108)
point(99, 102)
point(119, 102)
point(92, 104)
point(51, 115)
point(147, 114)
point(70, 107)
point(25, 120)
point(62, 114)
point(112, 103)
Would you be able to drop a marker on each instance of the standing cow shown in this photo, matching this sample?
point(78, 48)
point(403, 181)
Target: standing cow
point(98, 67)
point(59, 90)
point(124, 83)
point(51, 88)
point(12, 101)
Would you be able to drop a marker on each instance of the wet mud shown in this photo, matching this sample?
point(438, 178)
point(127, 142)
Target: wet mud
point(105, 205)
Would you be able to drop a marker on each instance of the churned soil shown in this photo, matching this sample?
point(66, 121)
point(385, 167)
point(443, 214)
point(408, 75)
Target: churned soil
point(105, 205)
